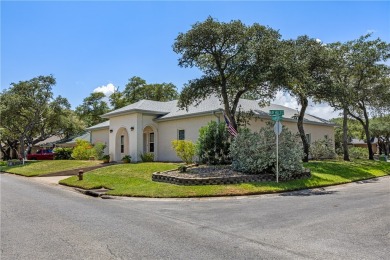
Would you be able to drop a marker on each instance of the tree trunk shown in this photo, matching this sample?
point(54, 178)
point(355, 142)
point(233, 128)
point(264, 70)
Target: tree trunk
point(367, 132)
point(304, 102)
point(21, 147)
point(345, 136)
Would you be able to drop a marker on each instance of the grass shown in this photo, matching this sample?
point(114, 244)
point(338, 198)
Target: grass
point(39, 168)
point(135, 180)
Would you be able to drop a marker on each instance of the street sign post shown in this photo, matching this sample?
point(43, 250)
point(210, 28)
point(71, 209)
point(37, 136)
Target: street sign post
point(277, 116)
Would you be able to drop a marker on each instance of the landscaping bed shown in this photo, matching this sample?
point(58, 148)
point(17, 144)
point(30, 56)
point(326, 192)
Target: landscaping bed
point(136, 180)
point(215, 175)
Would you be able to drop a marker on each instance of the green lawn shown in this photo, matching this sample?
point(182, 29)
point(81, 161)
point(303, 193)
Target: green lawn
point(38, 168)
point(135, 180)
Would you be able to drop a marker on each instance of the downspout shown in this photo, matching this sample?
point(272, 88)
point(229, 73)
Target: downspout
point(218, 119)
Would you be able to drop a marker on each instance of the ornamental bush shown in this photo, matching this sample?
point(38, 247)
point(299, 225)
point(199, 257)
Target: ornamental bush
point(255, 153)
point(83, 150)
point(63, 153)
point(358, 152)
point(322, 149)
point(185, 150)
point(147, 157)
point(99, 149)
point(213, 145)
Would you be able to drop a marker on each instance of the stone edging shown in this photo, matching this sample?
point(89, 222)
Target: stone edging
point(245, 178)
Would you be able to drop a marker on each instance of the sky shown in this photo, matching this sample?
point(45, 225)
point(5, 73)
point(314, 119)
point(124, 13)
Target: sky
point(98, 46)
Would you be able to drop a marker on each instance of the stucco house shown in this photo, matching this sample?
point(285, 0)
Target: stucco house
point(150, 126)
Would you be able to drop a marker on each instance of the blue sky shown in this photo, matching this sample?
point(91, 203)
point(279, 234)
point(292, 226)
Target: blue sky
point(87, 45)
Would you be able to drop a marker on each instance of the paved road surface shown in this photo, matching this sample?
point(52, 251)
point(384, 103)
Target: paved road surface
point(41, 221)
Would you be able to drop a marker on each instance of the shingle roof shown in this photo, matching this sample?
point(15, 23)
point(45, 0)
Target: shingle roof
point(170, 110)
point(146, 106)
point(104, 124)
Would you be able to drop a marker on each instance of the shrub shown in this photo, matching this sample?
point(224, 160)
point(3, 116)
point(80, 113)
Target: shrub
point(126, 159)
point(255, 153)
point(83, 150)
point(147, 157)
point(182, 168)
point(106, 158)
point(63, 153)
point(99, 149)
point(185, 150)
point(358, 152)
point(322, 149)
point(213, 146)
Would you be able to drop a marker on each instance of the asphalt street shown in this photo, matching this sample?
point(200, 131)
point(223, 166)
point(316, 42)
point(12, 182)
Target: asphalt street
point(42, 221)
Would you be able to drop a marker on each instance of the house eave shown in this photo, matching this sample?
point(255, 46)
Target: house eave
point(132, 111)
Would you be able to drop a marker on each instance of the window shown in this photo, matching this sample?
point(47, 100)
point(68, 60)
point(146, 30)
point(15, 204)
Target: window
point(308, 138)
point(151, 142)
point(122, 143)
point(181, 135)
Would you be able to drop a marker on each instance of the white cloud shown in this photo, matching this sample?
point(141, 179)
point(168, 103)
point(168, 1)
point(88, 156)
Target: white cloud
point(106, 90)
point(322, 110)
point(318, 40)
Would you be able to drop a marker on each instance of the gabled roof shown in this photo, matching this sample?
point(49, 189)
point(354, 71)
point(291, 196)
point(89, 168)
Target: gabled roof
point(105, 124)
point(170, 110)
point(144, 106)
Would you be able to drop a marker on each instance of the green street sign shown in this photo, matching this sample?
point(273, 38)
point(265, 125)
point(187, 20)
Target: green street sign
point(276, 112)
point(276, 115)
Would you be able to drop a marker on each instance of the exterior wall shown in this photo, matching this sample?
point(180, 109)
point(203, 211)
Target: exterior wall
point(316, 132)
point(117, 126)
point(101, 136)
point(168, 131)
point(374, 147)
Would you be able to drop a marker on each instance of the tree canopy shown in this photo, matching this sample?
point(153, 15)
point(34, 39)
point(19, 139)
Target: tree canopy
point(92, 108)
point(235, 60)
point(360, 81)
point(29, 114)
point(137, 89)
point(306, 75)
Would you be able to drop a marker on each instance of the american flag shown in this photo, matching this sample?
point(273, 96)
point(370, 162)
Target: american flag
point(229, 126)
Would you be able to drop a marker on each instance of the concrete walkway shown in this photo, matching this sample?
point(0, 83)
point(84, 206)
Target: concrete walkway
point(50, 180)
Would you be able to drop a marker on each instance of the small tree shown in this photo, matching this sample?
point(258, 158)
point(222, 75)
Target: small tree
point(185, 150)
point(213, 144)
point(83, 150)
point(255, 153)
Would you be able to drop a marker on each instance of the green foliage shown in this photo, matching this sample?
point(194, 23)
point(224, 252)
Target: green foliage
point(92, 108)
point(83, 150)
point(184, 149)
point(147, 157)
point(29, 113)
point(235, 60)
point(358, 153)
point(106, 158)
point(355, 130)
point(137, 89)
point(322, 149)
point(213, 144)
point(63, 153)
point(182, 168)
point(126, 159)
point(99, 149)
point(135, 180)
point(255, 153)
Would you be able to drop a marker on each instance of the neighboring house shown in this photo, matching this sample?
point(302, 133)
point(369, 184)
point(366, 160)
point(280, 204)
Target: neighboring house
point(361, 143)
point(150, 126)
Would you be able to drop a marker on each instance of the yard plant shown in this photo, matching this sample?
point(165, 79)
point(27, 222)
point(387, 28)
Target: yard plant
point(135, 179)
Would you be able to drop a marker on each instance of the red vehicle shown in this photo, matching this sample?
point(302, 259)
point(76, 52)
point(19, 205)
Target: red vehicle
point(42, 154)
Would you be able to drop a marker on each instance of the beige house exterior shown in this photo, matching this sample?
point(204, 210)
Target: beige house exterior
point(150, 126)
